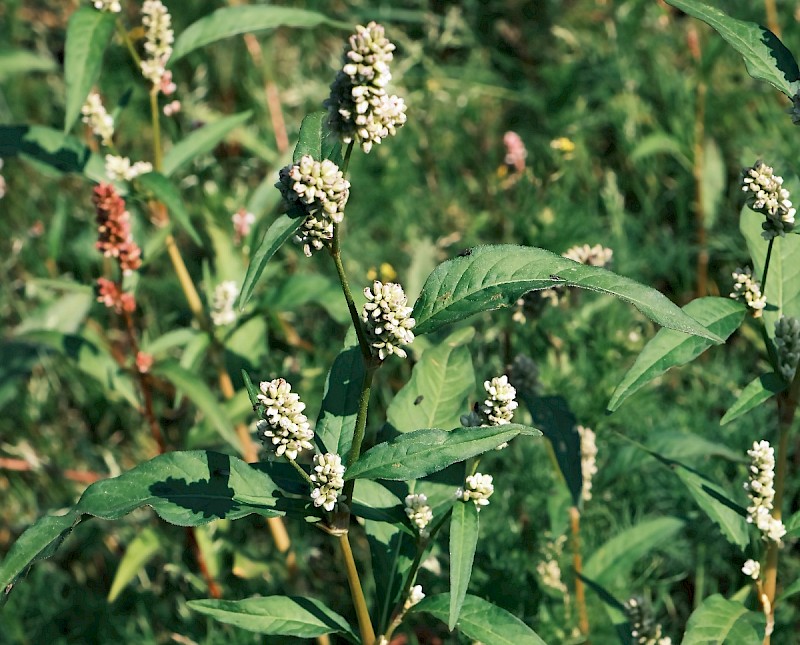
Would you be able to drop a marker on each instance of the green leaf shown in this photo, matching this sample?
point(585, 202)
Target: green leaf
point(765, 56)
point(281, 230)
point(201, 395)
point(416, 454)
point(491, 277)
point(337, 416)
point(464, 526)
point(184, 488)
point(481, 621)
point(613, 560)
point(23, 61)
point(669, 348)
point(277, 616)
point(441, 382)
point(139, 552)
point(46, 146)
point(166, 192)
point(233, 21)
point(783, 282)
point(719, 621)
point(201, 141)
point(754, 394)
point(553, 415)
point(317, 140)
point(88, 33)
point(792, 590)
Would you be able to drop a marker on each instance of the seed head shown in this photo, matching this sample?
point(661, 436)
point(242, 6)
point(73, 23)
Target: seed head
point(284, 426)
point(387, 319)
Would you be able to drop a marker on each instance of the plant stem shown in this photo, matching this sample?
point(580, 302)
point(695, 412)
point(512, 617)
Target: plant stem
point(361, 424)
point(766, 267)
point(698, 171)
point(577, 565)
point(302, 472)
point(211, 583)
point(357, 593)
point(155, 117)
point(366, 352)
point(128, 43)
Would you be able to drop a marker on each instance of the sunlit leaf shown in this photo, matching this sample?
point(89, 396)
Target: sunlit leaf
point(719, 621)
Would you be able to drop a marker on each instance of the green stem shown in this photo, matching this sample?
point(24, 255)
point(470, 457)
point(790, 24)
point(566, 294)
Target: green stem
point(766, 268)
point(302, 472)
point(156, 129)
point(361, 424)
point(346, 162)
point(128, 43)
point(366, 351)
point(357, 593)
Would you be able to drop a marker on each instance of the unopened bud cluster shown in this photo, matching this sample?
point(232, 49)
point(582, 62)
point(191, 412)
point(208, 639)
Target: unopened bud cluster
point(111, 6)
point(121, 168)
point(748, 290)
point(787, 344)
point(478, 488)
point(766, 195)
point(419, 512)
point(644, 629)
point(415, 596)
point(359, 108)
point(285, 426)
point(762, 493)
point(328, 477)
point(222, 311)
point(158, 41)
point(752, 569)
point(596, 256)
point(588, 460)
point(319, 191)
point(97, 118)
point(387, 319)
point(524, 374)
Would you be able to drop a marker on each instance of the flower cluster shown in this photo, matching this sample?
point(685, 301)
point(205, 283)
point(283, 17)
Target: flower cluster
point(548, 568)
point(644, 629)
point(121, 169)
point(113, 297)
point(387, 318)
point(97, 118)
point(2, 182)
point(524, 374)
point(284, 426)
point(242, 223)
point(359, 107)
point(515, 152)
point(222, 312)
point(419, 512)
point(752, 569)
point(415, 596)
point(111, 6)
point(596, 256)
point(747, 289)
point(500, 403)
point(479, 489)
point(158, 41)
point(328, 476)
point(761, 492)
point(114, 229)
point(171, 108)
point(787, 342)
point(766, 195)
point(588, 460)
point(318, 191)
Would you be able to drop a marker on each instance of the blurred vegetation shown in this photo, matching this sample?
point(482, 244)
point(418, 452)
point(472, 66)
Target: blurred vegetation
point(619, 80)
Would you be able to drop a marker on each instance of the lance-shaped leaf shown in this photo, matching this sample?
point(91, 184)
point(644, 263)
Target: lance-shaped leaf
point(765, 56)
point(481, 621)
point(88, 34)
point(719, 620)
point(721, 316)
point(491, 277)
point(754, 394)
point(233, 21)
point(138, 553)
point(337, 416)
point(436, 395)
point(184, 488)
point(166, 192)
point(277, 616)
point(201, 141)
point(317, 140)
point(420, 453)
point(42, 145)
point(464, 526)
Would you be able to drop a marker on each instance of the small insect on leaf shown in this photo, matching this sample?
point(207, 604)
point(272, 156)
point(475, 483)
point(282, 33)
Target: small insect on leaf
point(553, 276)
point(465, 253)
point(419, 399)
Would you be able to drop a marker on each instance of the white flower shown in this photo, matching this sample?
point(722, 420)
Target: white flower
point(97, 118)
point(329, 476)
point(752, 568)
point(285, 425)
point(121, 169)
point(419, 512)
point(548, 569)
point(644, 629)
point(596, 256)
point(766, 195)
point(387, 318)
point(111, 6)
point(222, 312)
point(588, 460)
point(158, 41)
point(761, 492)
point(748, 290)
point(500, 403)
point(415, 595)
point(359, 107)
point(479, 489)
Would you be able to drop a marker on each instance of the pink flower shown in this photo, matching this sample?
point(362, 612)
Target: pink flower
point(242, 223)
point(166, 86)
point(144, 362)
point(113, 297)
point(114, 229)
point(515, 151)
